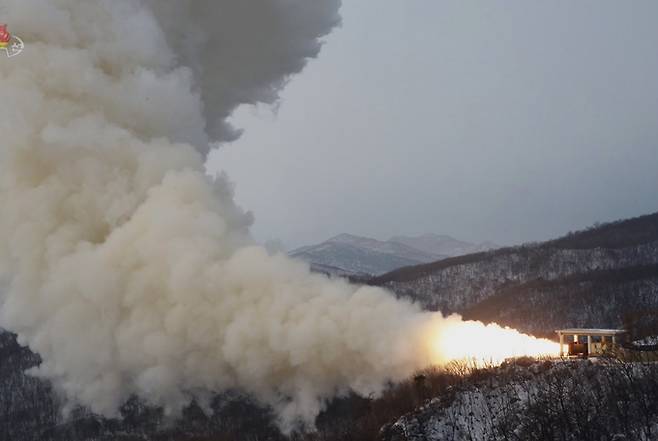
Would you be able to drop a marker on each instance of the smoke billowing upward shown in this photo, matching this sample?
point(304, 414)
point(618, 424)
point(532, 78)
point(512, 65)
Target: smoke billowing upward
point(125, 266)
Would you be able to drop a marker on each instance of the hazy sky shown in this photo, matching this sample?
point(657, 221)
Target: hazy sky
point(506, 121)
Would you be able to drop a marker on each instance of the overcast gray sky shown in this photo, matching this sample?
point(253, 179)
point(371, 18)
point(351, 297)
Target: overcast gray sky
point(506, 121)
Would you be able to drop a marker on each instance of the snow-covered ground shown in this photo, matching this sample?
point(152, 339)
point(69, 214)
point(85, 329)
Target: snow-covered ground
point(569, 401)
point(647, 341)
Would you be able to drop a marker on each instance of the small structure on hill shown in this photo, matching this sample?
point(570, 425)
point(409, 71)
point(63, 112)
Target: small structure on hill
point(588, 342)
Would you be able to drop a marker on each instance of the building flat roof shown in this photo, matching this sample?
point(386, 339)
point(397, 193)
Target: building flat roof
point(590, 331)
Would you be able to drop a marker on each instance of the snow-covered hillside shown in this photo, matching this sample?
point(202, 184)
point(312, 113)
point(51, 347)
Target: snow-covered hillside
point(605, 276)
point(568, 401)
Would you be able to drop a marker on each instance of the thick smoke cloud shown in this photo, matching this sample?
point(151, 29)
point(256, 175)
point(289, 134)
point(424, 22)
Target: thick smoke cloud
point(127, 268)
point(243, 51)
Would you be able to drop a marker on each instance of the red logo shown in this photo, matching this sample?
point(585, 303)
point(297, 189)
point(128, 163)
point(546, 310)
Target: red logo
point(5, 36)
point(10, 44)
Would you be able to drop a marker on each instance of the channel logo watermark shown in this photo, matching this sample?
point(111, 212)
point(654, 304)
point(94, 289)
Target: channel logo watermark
point(10, 44)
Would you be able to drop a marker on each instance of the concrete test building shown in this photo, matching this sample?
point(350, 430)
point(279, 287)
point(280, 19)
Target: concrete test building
point(598, 341)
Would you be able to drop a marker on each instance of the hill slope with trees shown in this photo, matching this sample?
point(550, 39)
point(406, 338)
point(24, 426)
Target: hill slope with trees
point(604, 276)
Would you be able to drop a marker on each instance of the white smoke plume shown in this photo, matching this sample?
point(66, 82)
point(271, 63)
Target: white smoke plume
point(125, 266)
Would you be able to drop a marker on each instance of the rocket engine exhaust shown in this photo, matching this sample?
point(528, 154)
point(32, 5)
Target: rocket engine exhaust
point(132, 272)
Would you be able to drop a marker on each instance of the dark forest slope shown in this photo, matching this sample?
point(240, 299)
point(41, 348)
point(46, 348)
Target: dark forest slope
point(605, 275)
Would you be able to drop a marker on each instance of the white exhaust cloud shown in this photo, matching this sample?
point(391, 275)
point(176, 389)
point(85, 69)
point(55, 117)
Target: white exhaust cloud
point(125, 266)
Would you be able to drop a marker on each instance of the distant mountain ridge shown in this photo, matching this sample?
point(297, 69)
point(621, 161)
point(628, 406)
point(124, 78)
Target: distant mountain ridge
point(441, 244)
point(351, 255)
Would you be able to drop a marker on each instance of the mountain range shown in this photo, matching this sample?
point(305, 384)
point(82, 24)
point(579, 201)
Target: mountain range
point(605, 276)
point(350, 255)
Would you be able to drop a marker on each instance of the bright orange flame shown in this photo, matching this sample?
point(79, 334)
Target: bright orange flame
point(483, 344)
